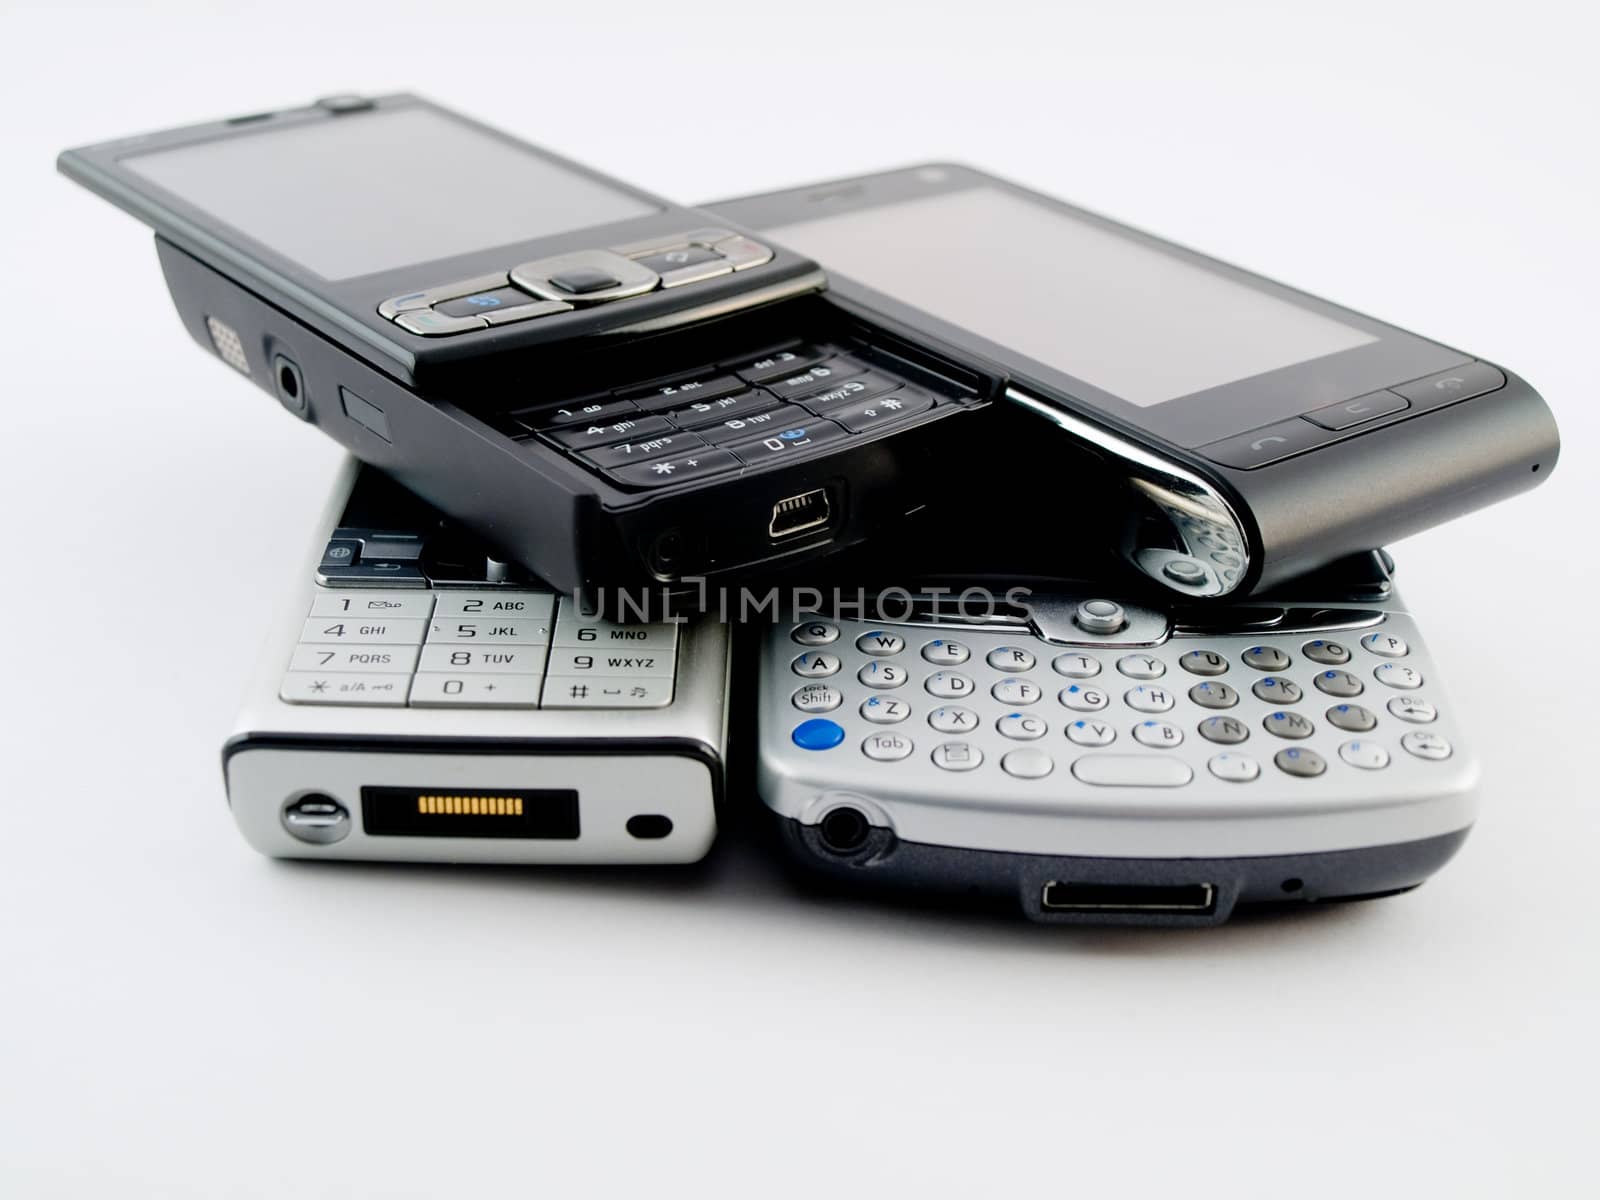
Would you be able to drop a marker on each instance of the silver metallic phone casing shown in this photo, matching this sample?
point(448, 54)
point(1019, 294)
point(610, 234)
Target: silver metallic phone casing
point(665, 761)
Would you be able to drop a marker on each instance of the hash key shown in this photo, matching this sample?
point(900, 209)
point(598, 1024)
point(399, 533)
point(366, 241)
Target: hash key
point(578, 691)
point(587, 437)
point(863, 415)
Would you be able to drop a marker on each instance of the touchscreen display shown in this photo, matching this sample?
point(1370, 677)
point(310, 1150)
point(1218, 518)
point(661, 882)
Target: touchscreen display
point(1130, 319)
point(358, 194)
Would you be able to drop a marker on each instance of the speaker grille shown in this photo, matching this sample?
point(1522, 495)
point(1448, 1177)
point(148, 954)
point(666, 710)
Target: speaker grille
point(229, 348)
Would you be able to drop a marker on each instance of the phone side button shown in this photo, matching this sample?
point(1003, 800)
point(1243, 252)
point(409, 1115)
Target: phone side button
point(1270, 444)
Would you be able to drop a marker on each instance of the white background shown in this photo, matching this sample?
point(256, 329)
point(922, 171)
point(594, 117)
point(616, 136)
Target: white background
point(181, 1018)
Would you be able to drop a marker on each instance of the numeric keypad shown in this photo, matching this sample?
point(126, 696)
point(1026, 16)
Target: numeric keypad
point(510, 648)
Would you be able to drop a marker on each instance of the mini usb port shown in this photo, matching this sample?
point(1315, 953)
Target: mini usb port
point(1197, 898)
point(797, 514)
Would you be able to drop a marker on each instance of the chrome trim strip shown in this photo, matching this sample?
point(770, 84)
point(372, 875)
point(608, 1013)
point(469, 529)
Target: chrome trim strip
point(1169, 486)
point(811, 281)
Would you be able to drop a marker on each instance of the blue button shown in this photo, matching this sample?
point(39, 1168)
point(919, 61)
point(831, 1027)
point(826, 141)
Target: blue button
point(818, 734)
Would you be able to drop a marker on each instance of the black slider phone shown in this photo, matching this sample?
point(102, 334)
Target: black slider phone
point(612, 389)
point(1262, 432)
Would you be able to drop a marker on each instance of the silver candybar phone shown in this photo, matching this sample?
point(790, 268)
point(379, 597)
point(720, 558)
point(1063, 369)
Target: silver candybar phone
point(419, 700)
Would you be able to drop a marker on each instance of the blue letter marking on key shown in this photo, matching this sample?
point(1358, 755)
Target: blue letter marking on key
point(818, 734)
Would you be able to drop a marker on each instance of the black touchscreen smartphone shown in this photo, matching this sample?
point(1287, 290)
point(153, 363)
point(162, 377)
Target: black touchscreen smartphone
point(611, 388)
point(1263, 432)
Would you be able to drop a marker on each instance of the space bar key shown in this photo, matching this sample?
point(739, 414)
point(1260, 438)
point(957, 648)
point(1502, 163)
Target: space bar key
point(1131, 770)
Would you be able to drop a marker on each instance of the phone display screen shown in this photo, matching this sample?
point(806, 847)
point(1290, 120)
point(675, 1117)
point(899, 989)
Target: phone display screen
point(1137, 321)
point(375, 191)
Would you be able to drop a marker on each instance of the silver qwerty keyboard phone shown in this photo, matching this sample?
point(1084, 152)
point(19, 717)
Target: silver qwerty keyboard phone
point(1106, 762)
point(422, 702)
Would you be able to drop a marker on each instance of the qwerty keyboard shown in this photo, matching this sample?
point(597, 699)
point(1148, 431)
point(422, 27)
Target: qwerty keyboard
point(1303, 706)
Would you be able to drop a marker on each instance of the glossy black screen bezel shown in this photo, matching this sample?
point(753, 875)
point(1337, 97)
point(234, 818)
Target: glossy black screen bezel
point(1190, 421)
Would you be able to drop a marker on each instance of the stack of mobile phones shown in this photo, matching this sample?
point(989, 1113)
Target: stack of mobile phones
point(597, 424)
